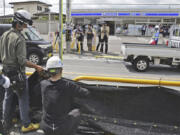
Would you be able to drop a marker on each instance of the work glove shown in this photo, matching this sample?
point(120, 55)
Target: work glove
point(6, 83)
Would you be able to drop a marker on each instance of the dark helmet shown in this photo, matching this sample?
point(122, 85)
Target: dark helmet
point(23, 16)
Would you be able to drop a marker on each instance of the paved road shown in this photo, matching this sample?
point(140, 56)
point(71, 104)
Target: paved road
point(114, 68)
point(89, 64)
point(77, 65)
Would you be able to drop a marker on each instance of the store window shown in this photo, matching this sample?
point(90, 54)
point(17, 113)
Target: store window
point(20, 8)
point(46, 9)
point(155, 20)
point(176, 32)
point(169, 20)
point(39, 8)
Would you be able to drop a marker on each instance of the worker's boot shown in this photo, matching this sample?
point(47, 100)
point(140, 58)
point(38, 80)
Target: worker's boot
point(31, 127)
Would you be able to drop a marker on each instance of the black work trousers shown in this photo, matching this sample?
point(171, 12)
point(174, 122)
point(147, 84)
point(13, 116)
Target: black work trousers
point(67, 126)
point(104, 40)
point(143, 32)
point(99, 43)
point(81, 45)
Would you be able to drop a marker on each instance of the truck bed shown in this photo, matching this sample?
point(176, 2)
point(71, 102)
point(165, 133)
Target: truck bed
point(137, 49)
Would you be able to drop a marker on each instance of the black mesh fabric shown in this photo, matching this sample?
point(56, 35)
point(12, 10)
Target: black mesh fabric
point(122, 111)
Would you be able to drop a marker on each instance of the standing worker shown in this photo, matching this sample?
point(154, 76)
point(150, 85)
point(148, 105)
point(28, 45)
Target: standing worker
point(155, 38)
point(59, 115)
point(104, 37)
point(13, 57)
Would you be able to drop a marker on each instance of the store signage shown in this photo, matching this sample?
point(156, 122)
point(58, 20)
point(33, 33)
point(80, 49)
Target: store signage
point(86, 14)
point(111, 14)
point(161, 14)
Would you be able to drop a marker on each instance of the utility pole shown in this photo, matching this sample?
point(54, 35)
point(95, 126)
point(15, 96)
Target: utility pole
point(60, 28)
point(49, 22)
point(68, 25)
point(4, 7)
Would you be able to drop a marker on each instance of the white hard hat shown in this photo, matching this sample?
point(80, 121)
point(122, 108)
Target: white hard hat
point(157, 27)
point(23, 16)
point(53, 63)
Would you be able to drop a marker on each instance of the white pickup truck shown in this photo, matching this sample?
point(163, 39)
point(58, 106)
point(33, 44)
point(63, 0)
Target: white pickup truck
point(174, 37)
point(142, 55)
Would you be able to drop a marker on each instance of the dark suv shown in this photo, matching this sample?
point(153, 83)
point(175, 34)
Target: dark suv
point(38, 50)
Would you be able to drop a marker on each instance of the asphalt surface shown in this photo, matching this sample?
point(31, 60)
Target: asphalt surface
point(111, 64)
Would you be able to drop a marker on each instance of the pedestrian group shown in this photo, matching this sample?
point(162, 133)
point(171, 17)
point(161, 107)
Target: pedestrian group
point(103, 35)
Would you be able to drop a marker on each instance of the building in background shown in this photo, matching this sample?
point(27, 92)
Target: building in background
point(34, 7)
point(44, 20)
point(127, 17)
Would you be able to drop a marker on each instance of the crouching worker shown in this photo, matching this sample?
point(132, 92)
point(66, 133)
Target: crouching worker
point(57, 97)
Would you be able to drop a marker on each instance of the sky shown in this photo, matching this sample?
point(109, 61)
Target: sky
point(94, 4)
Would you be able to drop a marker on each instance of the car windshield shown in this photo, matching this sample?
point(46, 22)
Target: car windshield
point(31, 34)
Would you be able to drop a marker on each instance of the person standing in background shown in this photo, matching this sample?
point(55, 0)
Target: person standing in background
point(104, 36)
point(90, 36)
point(99, 36)
point(79, 36)
point(143, 29)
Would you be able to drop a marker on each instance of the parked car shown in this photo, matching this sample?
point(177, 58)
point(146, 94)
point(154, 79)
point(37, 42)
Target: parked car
point(38, 50)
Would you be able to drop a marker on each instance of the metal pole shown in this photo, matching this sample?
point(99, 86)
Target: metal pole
point(60, 28)
point(49, 23)
point(4, 6)
point(68, 12)
point(68, 25)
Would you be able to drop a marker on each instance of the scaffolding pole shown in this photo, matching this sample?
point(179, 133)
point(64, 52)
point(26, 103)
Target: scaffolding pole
point(60, 29)
point(68, 25)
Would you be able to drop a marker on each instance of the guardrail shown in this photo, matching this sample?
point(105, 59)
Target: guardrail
point(159, 82)
point(128, 80)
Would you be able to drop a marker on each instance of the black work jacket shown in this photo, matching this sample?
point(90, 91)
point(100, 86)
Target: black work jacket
point(57, 99)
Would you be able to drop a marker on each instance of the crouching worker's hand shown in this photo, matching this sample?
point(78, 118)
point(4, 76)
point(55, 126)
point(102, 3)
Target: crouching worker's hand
point(7, 82)
point(84, 92)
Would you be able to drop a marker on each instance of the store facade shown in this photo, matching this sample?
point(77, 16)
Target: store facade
point(121, 17)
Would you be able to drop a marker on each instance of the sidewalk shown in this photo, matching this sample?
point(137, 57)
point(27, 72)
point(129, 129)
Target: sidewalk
point(114, 45)
point(113, 41)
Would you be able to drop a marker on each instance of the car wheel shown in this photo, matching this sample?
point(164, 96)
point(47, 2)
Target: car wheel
point(34, 58)
point(141, 64)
